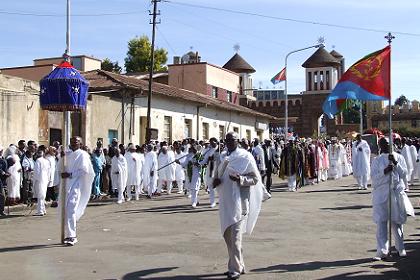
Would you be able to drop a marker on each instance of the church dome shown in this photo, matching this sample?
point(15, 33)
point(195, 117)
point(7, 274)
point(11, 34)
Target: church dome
point(321, 58)
point(238, 65)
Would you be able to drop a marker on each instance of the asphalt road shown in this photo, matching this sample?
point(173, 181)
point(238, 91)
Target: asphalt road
point(320, 232)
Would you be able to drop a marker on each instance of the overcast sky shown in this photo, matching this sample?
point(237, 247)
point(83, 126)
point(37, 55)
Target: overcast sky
point(263, 41)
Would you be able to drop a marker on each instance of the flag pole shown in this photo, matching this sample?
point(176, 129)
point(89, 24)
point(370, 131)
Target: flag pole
point(361, 117)
point(389, 38)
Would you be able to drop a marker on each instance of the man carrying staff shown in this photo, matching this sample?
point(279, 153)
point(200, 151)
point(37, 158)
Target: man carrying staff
point(240, 191)
point(79, 177)
point(384, 167)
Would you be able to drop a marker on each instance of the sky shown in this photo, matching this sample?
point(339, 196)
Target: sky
point(102, 28)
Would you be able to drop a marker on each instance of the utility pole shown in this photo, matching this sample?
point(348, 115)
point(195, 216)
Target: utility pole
point(152, 60)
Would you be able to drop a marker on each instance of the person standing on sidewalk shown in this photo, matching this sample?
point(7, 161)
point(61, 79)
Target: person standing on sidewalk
point(3, 176)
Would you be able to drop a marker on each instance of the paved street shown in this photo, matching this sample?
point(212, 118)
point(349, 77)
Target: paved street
point(321, 232)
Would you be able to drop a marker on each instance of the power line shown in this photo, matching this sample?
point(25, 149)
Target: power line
point(73, 15)
point(167, 42)
point(290, 19)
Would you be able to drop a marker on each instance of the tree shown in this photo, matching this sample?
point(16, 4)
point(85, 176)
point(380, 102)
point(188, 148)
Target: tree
point(138, 56)
point(401, 100)
point(110, 66)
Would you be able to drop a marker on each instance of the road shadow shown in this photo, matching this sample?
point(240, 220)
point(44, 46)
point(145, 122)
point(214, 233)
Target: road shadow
point(173, 209)
point(147, 274)
point(30, 247)
point(332, 190)
point(352, 207)
point(12, 216)
point(279, 188)
point(310, 266)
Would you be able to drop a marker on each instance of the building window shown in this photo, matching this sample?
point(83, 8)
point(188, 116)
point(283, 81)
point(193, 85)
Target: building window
point(205, 131)
point(267, 95)
point(112, 133)
point(309, 81)
point(413, 123)
point(167, 129)
point(221, 132)
point(187, 128)
point(274, 95)
point(214, 92)
point(236, 129)
point(229, 96)
point(327, 79)
point(316, 80)
point(321, 80)
point(260, 95)
point(248, 134)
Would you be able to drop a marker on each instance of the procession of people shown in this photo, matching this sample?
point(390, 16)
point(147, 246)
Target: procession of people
point(31, 174)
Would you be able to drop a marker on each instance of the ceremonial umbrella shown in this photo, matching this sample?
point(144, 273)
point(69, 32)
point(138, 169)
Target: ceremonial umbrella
point(64, 89)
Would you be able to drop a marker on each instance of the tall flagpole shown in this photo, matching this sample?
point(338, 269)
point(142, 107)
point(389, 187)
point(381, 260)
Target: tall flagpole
point(361, 117)
point(389, 38)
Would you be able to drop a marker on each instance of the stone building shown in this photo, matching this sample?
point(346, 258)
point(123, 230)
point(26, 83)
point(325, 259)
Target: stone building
point(305, 116)
point(406, 116)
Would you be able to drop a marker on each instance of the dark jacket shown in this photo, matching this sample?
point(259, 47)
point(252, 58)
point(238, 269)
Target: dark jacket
point(3, 170)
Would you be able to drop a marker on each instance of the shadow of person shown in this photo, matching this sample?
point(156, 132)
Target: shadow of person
point(148, 274)
point(30, 247)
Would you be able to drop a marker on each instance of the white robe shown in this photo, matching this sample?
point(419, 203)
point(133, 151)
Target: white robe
point(167, 173)
point(134, 168)
point(406, 153)
point(334, 152)
point(231, 196)
point(361, 159)
point(194, 182)
point(14, 180)
point(52, 174)
point(258, 154)
point(41, 177)
point(413, 153)
point(179, 170)
point(119, 164)
point(400, 204)
point(345, 167)
point(79, 185)
point(150, 164)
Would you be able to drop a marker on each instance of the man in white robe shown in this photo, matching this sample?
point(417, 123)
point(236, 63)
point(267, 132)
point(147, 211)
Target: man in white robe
point(335, 154)
point(405, 152)
point(166, 171)
point(179, 170)
point(382, 166)
point(193, 178)
point(361, 162)
point(41, 179)
point(413, 154)
point(240, 190)
point(209, 161)
point(134, 169)
point(150, 171)
point(119, 174)
point(79, 176)
point(345, 166)
point(258, 154)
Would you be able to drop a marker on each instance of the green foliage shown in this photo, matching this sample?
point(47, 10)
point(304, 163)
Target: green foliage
point(110, 66)
point(138, 56)
point(401, 100)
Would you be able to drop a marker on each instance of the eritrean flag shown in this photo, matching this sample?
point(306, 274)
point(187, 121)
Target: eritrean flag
point(279, 77)
point(367, 79)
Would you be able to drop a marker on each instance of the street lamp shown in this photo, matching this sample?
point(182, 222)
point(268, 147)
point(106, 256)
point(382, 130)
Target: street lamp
point(286, 112)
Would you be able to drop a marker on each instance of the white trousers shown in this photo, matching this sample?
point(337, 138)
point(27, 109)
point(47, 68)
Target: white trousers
point(151, 187)
point(291, 182)
point(194, 196)
point(129, 189)
point(233, 239)
point(180, 184)
point(382, 244)
point(73, 199)
point(362, 181)
point(209, 186)
point(40, 206)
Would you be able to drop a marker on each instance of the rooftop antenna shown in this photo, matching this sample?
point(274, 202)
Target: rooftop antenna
point(321, 40)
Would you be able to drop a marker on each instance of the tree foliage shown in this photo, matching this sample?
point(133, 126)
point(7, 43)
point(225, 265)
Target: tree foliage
point(138, 56)
point(401, 100)
point(108, 65)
